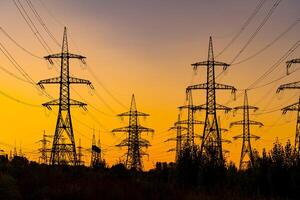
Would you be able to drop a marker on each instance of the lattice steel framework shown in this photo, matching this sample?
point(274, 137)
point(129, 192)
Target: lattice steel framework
point(96, 157)
point(179, 138)
point(211, 140)
point(295, 107)
point(63, 149)
point(134, 142)
point(246, 159)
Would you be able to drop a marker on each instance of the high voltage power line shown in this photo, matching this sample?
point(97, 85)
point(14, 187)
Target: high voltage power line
point(267, 17)
point(251, 87)
point(244, 26)
point(31, 25)
point(18, 45)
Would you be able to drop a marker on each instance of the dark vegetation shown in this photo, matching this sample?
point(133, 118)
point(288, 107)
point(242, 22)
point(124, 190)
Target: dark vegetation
point(275, 175)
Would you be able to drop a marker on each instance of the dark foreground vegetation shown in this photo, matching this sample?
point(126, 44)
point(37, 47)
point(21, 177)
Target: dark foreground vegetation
point(275, 175)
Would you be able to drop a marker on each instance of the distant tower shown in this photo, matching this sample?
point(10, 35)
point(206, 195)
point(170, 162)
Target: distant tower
point(64, 151)
point(246, 159)
point(295, 107)
point(96, 152)
point(211, 141)
point(189, 142)
point(179, 138)
point(134, 142)
point(44, 149)
point(79, 154)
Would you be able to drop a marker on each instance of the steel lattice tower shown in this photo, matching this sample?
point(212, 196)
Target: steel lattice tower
point(79, 154)
point(211, 140)
point(134, 142)
point(63, 148)
point(96, 152)
point(293, 107)
point(44, 149)
point(179, 138)
point(189, 142)
point(246, 136)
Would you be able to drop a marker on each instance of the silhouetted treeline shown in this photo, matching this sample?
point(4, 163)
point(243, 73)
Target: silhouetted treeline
point(275, 175)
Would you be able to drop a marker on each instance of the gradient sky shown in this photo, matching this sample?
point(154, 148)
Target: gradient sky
point(146, 48)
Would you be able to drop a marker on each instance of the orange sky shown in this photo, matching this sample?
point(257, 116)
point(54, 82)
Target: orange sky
point(145, 48)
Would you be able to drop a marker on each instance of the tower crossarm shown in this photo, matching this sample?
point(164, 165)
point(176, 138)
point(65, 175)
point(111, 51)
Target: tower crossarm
point(210, 62)
point(290, 62)
point(293, 107)
point(217, 86)
point(133, 113)
point(202, 86)
point(170, 150)
point(225, 141)
point(242, 122)
point(75, 80)
point(218, 107)
point(187, 121)
point(128, 129)
point(64, 55)
point(55, 80)
point(72, 102)
point(250, 136)
point(220, 86)
point(193, 107)
point(294, 85)
point(123, 143)
point(245, 107)
point(144, 143)
point(126, 142)
point(177, 126)
point(170, 139)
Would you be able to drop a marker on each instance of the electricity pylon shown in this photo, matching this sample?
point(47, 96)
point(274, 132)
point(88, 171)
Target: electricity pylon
point(211, 145)
point(96, 152)
point(79, 154)
point(134, 142)
point(44, 150)
point(189, 142)
point(64, 153)
point(179, 138)
point(295, 106)
point(246, 159)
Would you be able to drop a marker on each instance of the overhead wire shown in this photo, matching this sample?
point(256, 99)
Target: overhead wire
point(289, 28)
point(267, 17)
point(41, 21)
point(31, 25)
point(18, 45)
point(244, 26)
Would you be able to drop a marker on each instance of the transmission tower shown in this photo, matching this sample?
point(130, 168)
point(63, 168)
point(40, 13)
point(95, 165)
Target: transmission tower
point(96, 152)
point(189, 142)
point(179, 138)
point(79, 154)
point(134, 142)
point(64, 126)
point(246, 159)
point(295, 106)
point(44, 150)
point(211, 145)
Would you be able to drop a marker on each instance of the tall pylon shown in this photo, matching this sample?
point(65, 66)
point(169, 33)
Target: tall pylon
point(134, 142)
point(96, 158)
point(211, 145)
point(246, 159)
point(44, 150)
point(179, 138)
point(295, 106)
point(189, 142)
point(80, 161)
point(64, 153)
